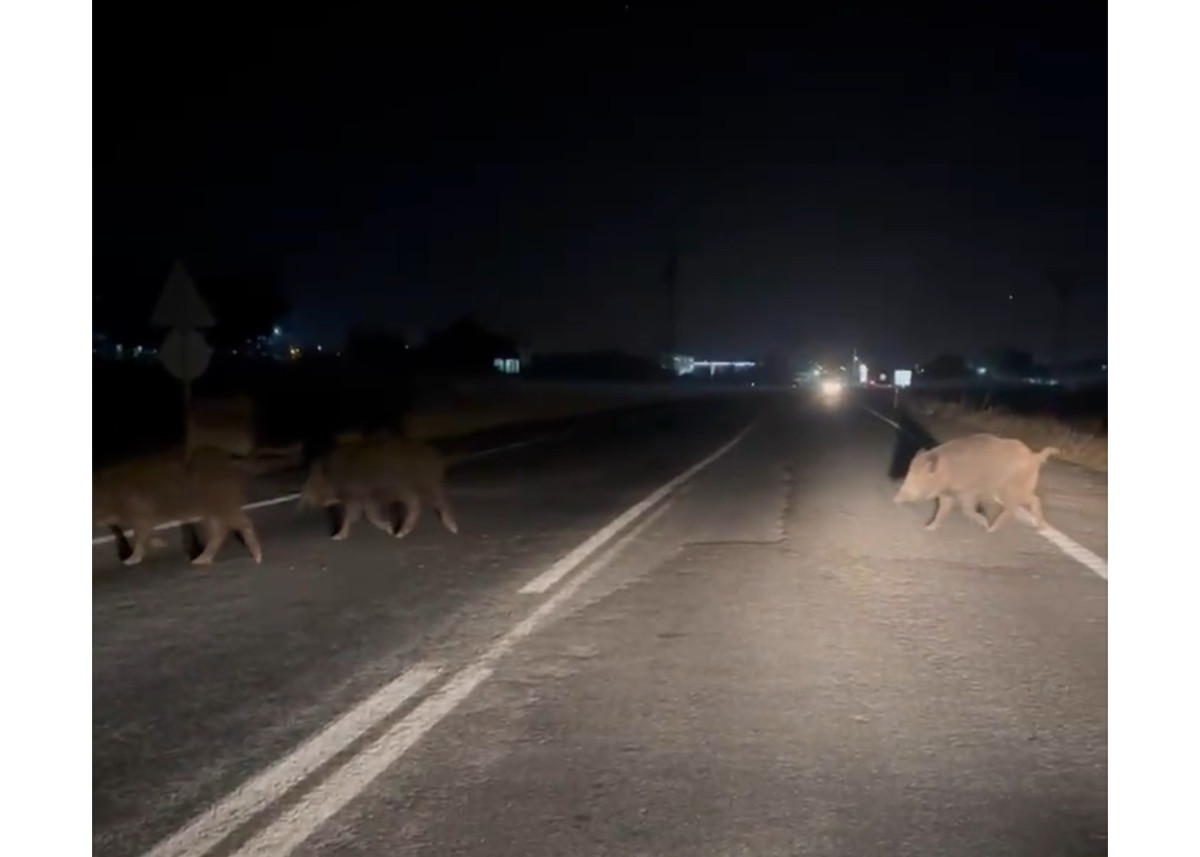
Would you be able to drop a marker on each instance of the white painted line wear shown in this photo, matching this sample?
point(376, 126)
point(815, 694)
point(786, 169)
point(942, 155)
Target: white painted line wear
point(564, 566)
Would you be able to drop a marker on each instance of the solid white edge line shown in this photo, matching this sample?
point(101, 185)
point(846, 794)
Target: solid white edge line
point(1068, 545)
point(211, 827)
point(564, 566)
point(299, 822)
point(1059, 539)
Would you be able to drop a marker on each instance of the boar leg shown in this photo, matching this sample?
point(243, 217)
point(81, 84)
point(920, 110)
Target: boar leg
point(970, 507)
point(441, 505)
point(245, 529)
point(945, 503)
point(1010, 506)
point(142, 533)
point(215, 532)
point(412, 512)
point(1034, 505)
point(350, 512)
point(375, 515)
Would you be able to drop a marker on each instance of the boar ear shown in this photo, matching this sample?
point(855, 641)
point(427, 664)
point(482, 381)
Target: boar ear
point(931, 461)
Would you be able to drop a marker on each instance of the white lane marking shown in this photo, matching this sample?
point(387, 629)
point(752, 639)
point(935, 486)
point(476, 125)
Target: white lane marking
point(211, 827)
point(880, 416)
point(288, 498)
point(564, 566)
point(1059, 539)
point(274, 501)
point(1068, 545)
point(257, 504)
point(290, 830)
point(298, 823)
point(471, 456)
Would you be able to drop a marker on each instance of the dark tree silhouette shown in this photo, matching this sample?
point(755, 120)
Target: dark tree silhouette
point(775, 368)
point(380, 348)
point(246, 305)
point(946, 367)
point(599, 366)
point(465, 348)
point(1009, 362)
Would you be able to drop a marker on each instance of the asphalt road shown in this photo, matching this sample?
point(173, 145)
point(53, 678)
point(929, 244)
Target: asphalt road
point(771, 658)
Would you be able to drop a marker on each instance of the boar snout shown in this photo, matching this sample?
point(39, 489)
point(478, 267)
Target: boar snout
point(917, 482)
point(906, 494)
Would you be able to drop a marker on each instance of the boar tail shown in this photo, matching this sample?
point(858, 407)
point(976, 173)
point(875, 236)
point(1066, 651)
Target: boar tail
point(1047, 452)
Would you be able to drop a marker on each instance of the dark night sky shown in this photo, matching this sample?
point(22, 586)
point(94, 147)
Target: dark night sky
point(885, 183)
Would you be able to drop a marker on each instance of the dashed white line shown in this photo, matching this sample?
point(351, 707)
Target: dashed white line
point(564, 566)
point(1059, 539)
point(300, 821)
point(211, 827)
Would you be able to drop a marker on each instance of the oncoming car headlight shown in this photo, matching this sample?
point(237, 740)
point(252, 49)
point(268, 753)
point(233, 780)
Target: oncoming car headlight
point(831, 387)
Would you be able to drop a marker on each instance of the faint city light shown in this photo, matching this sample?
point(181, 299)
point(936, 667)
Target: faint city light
point(277, 331)
point(980, 370)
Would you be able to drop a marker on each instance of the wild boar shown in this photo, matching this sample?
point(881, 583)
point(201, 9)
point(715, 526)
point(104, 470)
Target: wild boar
point(206, 487)
point(368, 475)
point(978, 467)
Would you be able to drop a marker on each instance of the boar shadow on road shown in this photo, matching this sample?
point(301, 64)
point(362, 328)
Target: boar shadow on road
point(911, 438)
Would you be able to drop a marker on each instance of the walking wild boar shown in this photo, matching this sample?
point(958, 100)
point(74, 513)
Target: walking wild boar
point(367, 475)
point(205, 488)
point(979, 467)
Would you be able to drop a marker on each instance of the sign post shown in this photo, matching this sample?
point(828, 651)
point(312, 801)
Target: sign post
point(184, 352)
point(901, 378)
